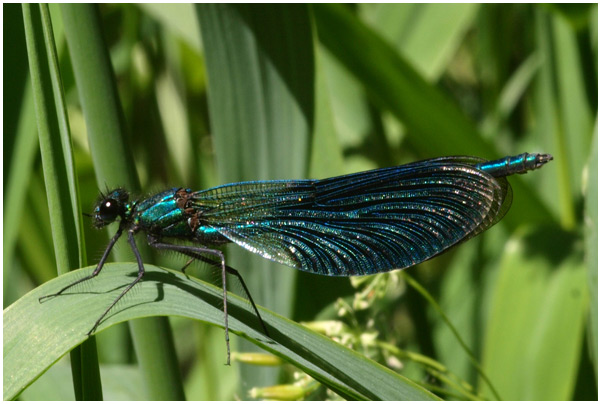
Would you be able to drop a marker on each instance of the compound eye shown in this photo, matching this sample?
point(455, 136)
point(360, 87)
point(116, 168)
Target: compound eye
point(107, 211)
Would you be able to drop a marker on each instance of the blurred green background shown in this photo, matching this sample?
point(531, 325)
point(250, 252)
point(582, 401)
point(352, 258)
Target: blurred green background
point(215, 94)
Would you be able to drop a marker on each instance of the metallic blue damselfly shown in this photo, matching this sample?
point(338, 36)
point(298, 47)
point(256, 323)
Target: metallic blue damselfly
point(357, 224)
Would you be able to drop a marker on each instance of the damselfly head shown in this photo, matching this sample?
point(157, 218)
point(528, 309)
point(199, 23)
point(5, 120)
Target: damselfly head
point(110, 206)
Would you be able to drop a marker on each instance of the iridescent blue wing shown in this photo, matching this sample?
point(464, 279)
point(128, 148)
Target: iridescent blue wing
point(362, 223)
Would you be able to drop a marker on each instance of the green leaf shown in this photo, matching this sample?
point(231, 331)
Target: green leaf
point(38, 334)
point(119, 383)
point(437, 125)
point(409, 28)
point(98, 96)
point(564, 118)
point(537, 318)
point(180, 18)
point(326, 151)
point(511, 94)
point(576, 118)
point(591, 238)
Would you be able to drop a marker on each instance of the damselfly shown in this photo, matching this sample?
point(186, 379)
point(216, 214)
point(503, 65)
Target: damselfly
point(357, 224)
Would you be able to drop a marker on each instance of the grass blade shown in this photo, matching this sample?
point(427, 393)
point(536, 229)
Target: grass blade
point(59, 175)
point(37, 335)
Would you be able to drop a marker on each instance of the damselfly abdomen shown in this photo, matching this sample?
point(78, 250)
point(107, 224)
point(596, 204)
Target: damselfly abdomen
point(357, 224)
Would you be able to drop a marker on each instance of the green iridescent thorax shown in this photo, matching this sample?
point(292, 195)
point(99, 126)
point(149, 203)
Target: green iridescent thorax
point(162, 215)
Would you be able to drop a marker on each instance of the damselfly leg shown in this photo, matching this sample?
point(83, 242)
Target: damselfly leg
point(96, 271)
point(197, 254)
